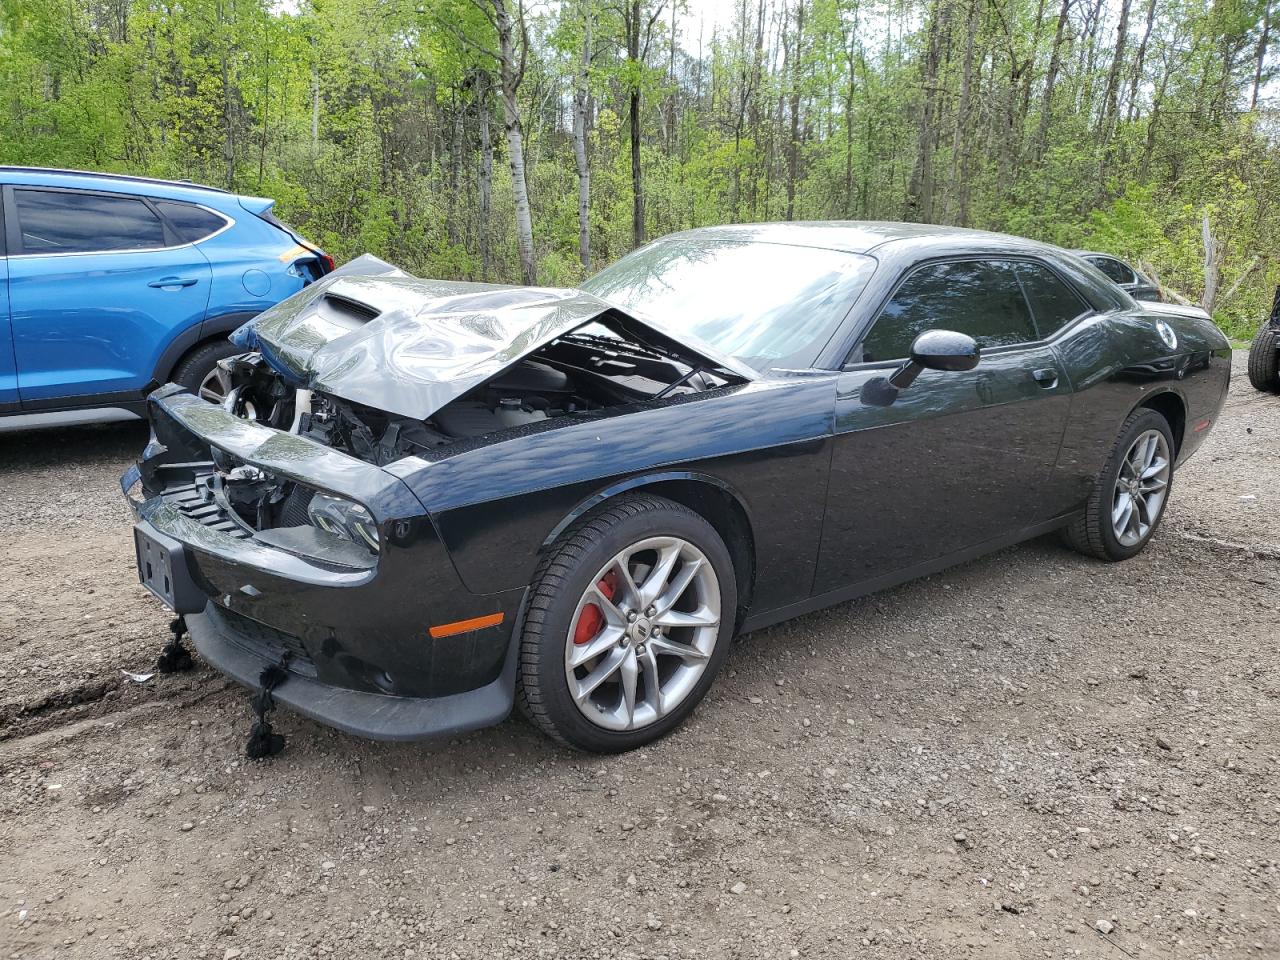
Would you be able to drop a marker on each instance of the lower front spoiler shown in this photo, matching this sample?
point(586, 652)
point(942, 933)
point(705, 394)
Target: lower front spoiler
point(372, 715)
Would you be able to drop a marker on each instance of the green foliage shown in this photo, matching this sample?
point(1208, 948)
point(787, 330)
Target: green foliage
point(364, 122)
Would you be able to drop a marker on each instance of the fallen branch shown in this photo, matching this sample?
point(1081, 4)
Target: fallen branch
point(1164, 291)
point(1253, 265)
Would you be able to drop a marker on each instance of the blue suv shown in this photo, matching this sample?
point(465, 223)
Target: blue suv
point(111, 285)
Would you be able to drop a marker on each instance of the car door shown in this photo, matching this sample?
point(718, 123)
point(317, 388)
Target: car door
point(8, 372)
point(99, 285)
point(957, 459)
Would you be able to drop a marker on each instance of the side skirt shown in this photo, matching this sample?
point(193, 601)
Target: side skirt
point(768, 618)
point(78, 416)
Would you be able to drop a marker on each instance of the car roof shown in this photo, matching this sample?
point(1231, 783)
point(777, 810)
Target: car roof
point(864, 236)
point(116, 182)
point(1097, 253)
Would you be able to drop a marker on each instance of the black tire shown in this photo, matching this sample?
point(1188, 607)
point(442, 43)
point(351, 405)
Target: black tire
point(1264, 360)
point(542, 688)
point(1091, 533)
point(200, 362)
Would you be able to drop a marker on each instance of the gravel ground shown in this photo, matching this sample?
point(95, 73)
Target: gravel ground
point(1033, 755)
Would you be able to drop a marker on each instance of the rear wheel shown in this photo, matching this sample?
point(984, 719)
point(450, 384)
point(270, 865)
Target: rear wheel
point(199, 372)
point(1264, 360)
point(627, 624)
point(1131, 493)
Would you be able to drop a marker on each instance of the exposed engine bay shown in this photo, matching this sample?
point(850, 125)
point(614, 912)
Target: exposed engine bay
point(583, 373)
point(589, 370)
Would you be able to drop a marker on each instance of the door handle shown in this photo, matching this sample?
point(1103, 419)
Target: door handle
point(1047, 377)
point(173, 282)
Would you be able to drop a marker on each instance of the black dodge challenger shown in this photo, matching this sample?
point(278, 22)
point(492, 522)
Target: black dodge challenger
point(421, 502)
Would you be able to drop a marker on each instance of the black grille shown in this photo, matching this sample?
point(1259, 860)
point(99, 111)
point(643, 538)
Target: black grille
point(194, 500)
point(266, 641)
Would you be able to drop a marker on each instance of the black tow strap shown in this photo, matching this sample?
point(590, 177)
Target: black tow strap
point(263, 742)
point(175, 658)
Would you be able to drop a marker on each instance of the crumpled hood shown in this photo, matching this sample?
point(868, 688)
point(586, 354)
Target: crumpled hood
point(374, 335)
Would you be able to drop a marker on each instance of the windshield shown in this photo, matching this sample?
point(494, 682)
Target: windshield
point(765, 304)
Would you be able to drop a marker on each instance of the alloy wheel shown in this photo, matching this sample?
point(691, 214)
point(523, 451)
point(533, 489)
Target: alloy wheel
point(215, 385)
point(1141, 487)
point(643, 633)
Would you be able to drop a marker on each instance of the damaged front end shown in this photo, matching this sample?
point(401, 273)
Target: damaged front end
point(282, 553)
point(385, 367)
point(280, 522)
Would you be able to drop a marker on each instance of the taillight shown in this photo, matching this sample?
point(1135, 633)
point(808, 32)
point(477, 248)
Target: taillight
point(327, 261)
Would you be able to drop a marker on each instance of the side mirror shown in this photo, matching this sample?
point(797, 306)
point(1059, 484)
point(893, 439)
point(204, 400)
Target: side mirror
point(932, 350)
point(937, 350)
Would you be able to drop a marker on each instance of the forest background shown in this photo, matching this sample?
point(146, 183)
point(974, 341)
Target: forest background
point(536, 142)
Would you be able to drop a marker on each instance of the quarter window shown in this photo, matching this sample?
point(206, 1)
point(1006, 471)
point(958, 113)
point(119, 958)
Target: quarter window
point(190, 222)
point(55, 221)
point(979, 297)
point(1053, 303)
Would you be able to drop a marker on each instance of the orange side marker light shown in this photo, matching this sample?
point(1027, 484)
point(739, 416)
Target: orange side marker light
point(465, 626)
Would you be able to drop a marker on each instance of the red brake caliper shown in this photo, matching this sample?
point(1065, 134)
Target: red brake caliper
point(591, 620)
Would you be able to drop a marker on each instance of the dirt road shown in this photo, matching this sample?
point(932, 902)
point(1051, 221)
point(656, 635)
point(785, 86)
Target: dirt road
point(1034, 755)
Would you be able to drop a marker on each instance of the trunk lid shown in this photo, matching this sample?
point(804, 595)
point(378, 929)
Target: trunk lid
point(1174, 309)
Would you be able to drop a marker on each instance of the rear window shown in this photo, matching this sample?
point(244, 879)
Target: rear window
point(57, 221)
point(189, 222)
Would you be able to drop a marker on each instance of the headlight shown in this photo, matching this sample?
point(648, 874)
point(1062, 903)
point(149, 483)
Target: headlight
point(343, 518)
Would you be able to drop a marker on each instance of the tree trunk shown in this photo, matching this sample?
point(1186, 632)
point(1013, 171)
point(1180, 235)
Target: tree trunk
point(793, 152)
point(266, 119)
point(637, 186)
point(455, 174)
point(1263, 40)
point(920, 191)
point(581, 104)
point(1210, 266)
point(850, 90)
point(228, 111)
point(486, 178)
point(1140, 61)
point(960, 148)
point(315, 108)
point(1110, 100)
point(1050, 80)
point(511, 72)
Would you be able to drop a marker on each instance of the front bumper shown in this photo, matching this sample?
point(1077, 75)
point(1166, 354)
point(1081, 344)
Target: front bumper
point(377, 716)
point(361, 655)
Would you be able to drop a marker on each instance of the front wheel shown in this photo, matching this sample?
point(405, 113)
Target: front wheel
point(627, 623)
point(1130, 495)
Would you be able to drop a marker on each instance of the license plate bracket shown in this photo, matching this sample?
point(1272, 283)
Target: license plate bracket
point(163, 570)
